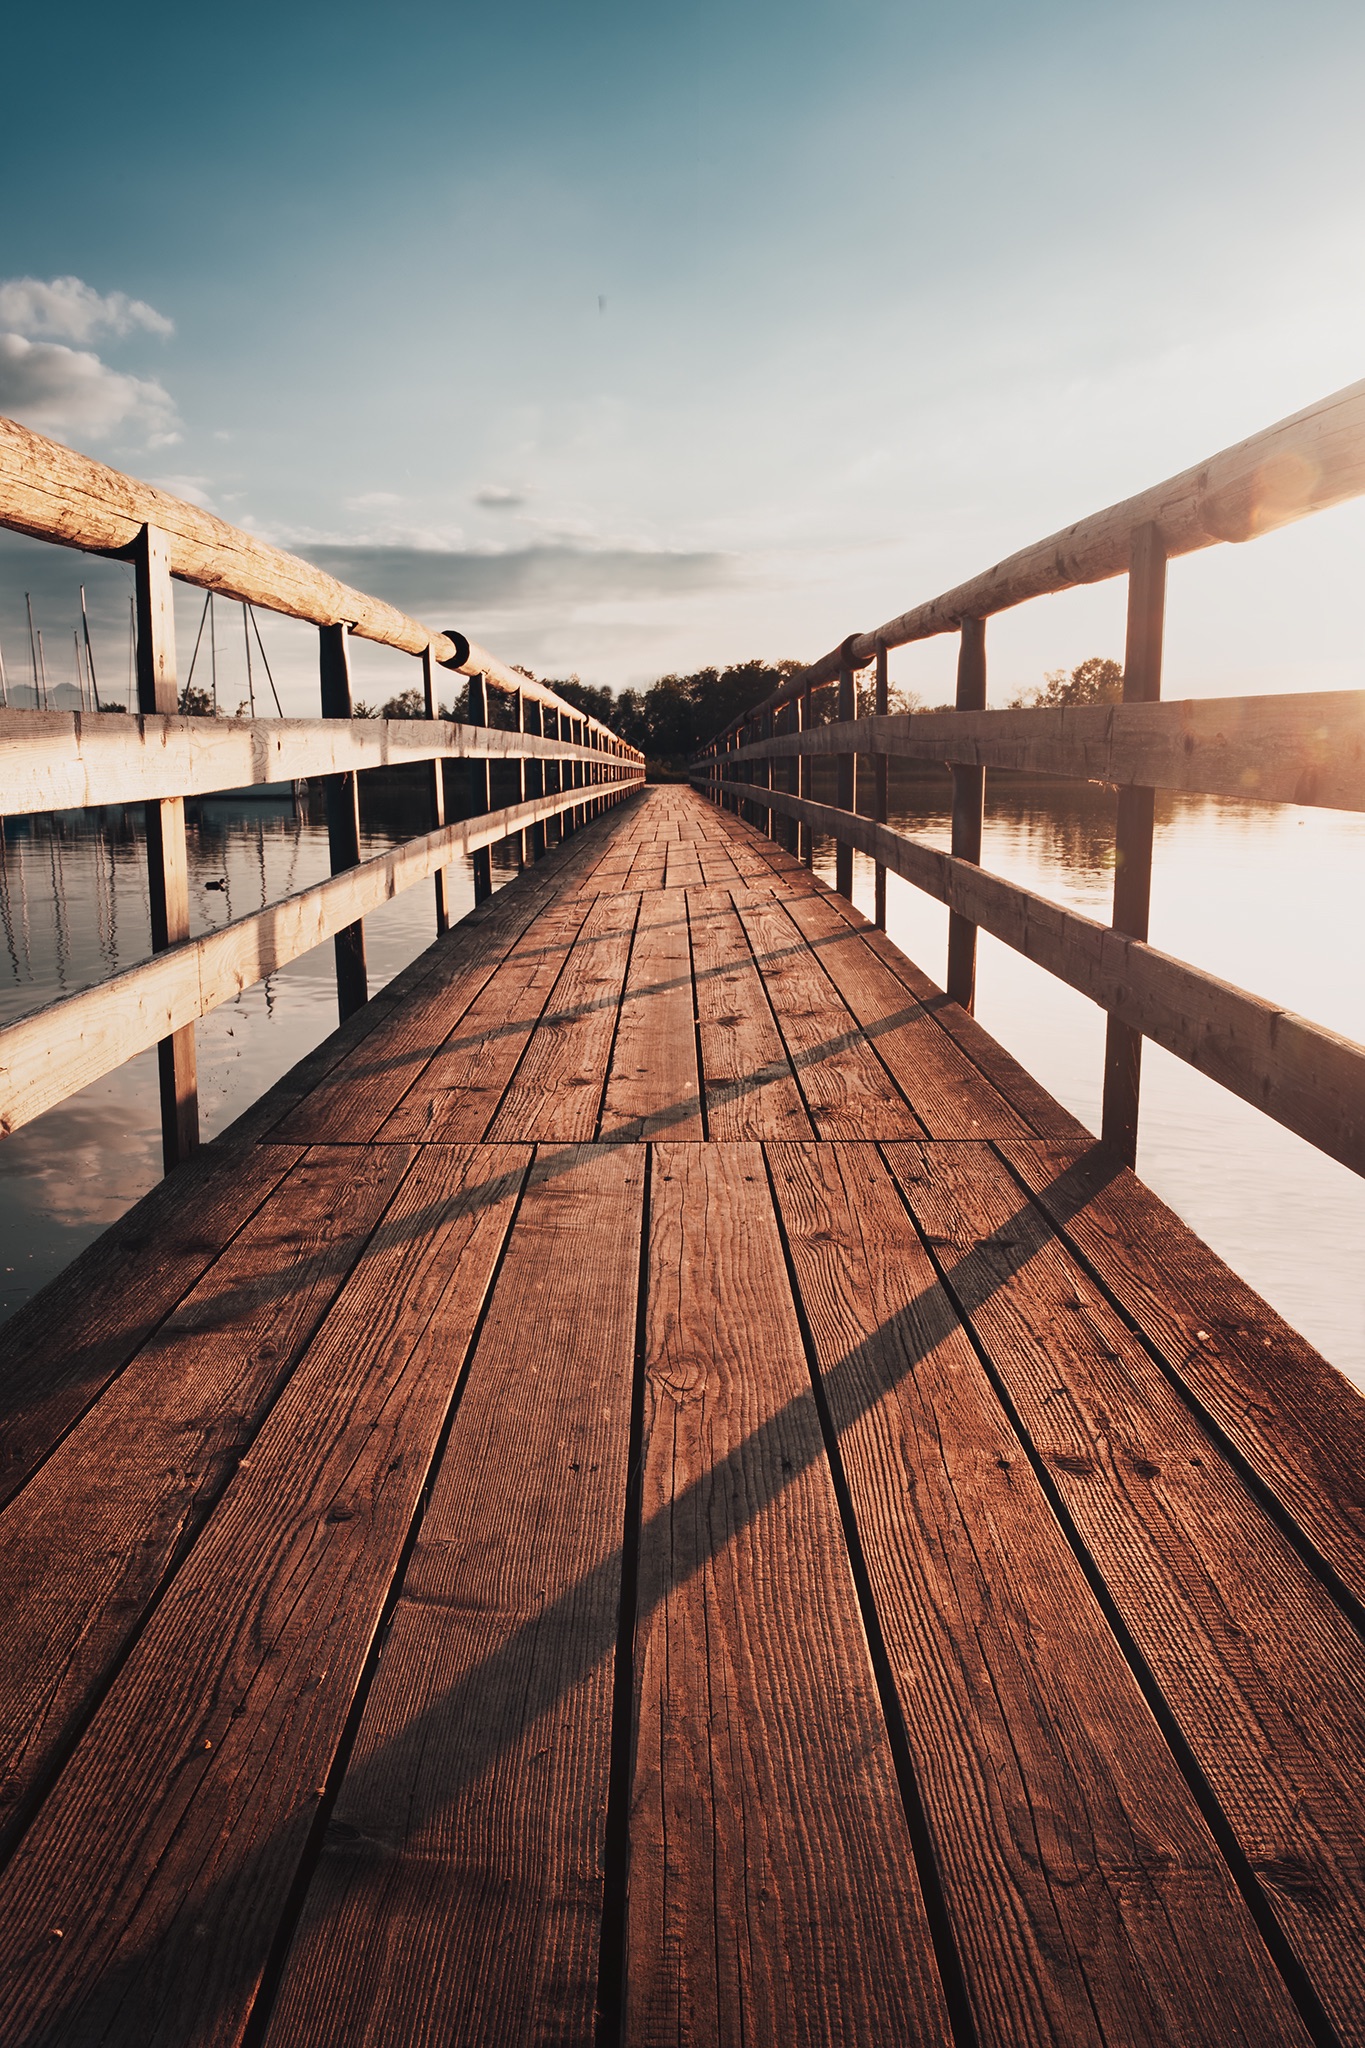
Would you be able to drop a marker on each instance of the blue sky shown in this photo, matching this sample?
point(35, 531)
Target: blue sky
point(640, 338)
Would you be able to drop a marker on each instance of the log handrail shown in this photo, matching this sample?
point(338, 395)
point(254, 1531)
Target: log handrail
point(52, 761)
point(73, 760)
point(1307, 749)
point(1303, 464)
point(52, 493)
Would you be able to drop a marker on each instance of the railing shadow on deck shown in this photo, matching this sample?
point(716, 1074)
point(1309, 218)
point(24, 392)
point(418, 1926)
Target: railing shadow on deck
point(731, 1495)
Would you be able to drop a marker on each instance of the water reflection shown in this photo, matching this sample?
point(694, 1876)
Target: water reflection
point(74, 909)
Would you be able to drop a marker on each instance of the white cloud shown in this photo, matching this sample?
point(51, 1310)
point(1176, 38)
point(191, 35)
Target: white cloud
point(500, 497)
point(67, 309)
point(71, 393)
point(193, 489)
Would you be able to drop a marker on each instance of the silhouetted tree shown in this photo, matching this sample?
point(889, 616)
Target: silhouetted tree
point(1096, 681)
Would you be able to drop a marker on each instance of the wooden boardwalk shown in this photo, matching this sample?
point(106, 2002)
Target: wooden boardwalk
point(659, 1488)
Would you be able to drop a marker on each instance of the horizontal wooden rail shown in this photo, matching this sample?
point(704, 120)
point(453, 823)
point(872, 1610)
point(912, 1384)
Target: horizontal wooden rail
point(49, 1055)
point(1308, 1079)
point(1302, 464)
point(66, 760)
point(1307, 749)
point(58, 495)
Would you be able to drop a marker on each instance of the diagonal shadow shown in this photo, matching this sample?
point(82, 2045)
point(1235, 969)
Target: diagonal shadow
point(539, 1664)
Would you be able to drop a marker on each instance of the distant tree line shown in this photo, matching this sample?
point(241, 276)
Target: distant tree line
point(675, 717)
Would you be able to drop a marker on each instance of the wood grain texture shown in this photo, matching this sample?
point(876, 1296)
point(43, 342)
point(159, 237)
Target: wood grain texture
point(393, 1037)
point(1037, 1107)
point(148, 1462)
point(456, 1093)
point(555, 1095)
point(1088, 1898)
point(185, 1808)
point(751, 1091)
point(773, 1892)
point(1258, 1668)
point(848, 1091)
point(1297, 1422)
point(950, 1097)
point(64, 1346)
point(70, 760)
point(460, 1885)
point(653, 1090)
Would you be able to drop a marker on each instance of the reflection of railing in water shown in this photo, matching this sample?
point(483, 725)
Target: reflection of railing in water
point(1291, 749)
point(569, 768)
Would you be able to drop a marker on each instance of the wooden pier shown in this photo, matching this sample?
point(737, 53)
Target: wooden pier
point(659, 1488)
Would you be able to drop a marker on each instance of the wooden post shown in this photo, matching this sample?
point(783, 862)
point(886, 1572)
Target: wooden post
point(847, 775)
point(969, 806)
point(438, 789)
point(793, 838)
point(535, 771)
point(767, 727)
point(1133, 838)
point(479, 796)
point(806, 836)
point(879, 781)
point(343, 818)
point(521, 778)
point(168, 874)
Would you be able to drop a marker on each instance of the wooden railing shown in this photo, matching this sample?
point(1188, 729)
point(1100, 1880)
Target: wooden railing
point(1287, 749)
point(571, 767)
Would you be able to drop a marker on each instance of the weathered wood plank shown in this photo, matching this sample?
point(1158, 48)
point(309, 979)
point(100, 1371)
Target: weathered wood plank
point(1259, 1670)
point(555, 1095)
point(459, 1892)
point(1089, 1901)
point(1307, 1078)
point(187, 1804)
point(950, 1097)
point(62, 1348)
point(68, 760)
point(773, 1888)
point(352, 1102)
point(848, 1091)
point(653, 1089)
point(751, 1091)
point(1039, 1109)
point(148, 1462)
point(457, 1092)
point(1299, 1424)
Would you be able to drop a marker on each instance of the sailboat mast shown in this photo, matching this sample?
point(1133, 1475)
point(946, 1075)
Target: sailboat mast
point(32, 649)
point(89, 651)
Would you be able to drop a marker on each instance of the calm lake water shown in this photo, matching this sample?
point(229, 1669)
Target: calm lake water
point(1238, 889)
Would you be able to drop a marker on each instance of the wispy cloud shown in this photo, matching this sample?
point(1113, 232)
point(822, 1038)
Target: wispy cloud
point(428, 581)
point(500, 497)
point(70, 393)
point(68, 309)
